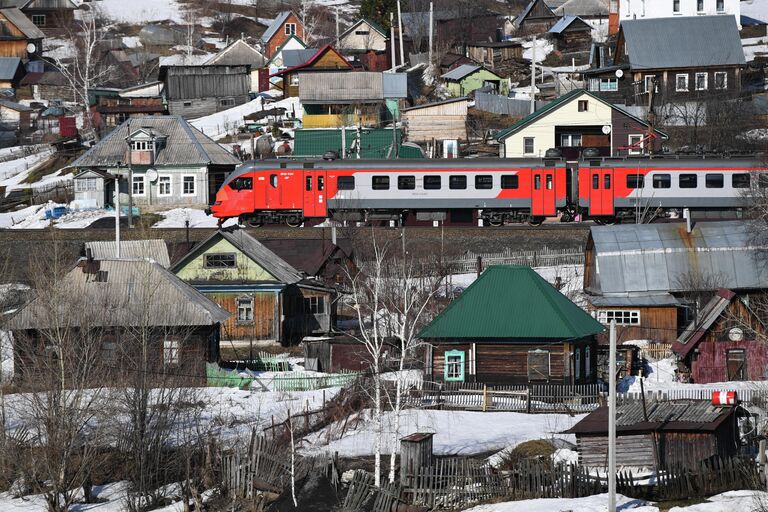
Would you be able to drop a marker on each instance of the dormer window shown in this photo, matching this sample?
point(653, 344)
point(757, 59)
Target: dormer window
point(142, 145)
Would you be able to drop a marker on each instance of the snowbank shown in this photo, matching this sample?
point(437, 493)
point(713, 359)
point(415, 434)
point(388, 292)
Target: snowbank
point(746, 501)
point(13, 172)
point(33, 217)
point(596, 503)
point(228, 121)
point(141, 11)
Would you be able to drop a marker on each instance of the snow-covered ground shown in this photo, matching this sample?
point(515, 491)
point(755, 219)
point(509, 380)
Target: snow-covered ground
point(177, 217)
point(755, 46)
point(141, 11)
point(456, 432)
point(543, 48)
point(742, 501)
point(14, 172)
point(596, 503)
point(33, 217)
point(228, 121)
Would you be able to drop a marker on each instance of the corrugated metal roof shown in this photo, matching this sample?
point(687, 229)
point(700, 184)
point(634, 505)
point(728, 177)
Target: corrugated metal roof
point(682, 42)
point(435, 104)
point(583, 8)
point(695, 330)
point(375, 143)
point(293, 58)
point(185, 144)
point(512, 303)
point(8, 67)
point(641, 258)
point(636, 300)
point(238, 53)
point(395, 85)
point(275, 26)
point(460, 72)
point(362, 86)
point(131, 293)
point(150, 250)
point(565, 22)
point(18, 107)
point(29, 29)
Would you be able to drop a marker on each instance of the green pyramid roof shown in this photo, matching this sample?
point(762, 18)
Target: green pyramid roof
point(512, 303)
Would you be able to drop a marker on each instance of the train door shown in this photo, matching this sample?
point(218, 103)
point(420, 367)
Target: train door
point(600, 192)
point(273, 191)
point(543, 192)
point(315, 194)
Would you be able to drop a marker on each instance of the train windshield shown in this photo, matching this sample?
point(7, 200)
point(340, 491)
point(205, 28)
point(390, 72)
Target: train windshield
point(241, 184)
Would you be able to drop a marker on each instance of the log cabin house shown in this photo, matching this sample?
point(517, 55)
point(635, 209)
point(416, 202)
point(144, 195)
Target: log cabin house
point(268, 298)
point(511, 326)
point(18, 35)
point(686, 432)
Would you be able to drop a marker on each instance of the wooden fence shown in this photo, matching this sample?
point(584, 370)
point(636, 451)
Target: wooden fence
point(656, 351)
point(364, 495)
point(545, 257)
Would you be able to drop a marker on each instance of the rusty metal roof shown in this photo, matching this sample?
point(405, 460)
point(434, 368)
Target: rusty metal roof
point(661, 258)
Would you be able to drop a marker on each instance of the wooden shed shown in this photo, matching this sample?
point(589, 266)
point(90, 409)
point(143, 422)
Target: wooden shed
point(197, 91)
point(686, 432)
point(443, 120)
point(511, 326)
point(338, 353)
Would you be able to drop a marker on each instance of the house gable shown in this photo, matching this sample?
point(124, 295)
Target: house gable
point(197, 267)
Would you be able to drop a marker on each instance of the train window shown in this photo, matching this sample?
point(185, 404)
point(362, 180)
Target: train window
point(510, 181)
point(549, 182)
point(380, 183)
point(607, 182)
point(432, 183)
point(483, 181)
point(537, 182)
point(242, 184)
point(635, 181)
point(457, 182)
point(595, 182)
point(406, 182)
point(740, 180)
point(320, 183)
point(309, 183)
point(662, 181)
point(273, 180)
point(688, 181)
point(346, 183)
point(714, 180)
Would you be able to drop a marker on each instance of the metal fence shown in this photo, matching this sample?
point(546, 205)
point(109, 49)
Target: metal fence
point(498, 104)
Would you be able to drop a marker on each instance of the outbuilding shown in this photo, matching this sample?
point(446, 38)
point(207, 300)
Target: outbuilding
point(467, 78)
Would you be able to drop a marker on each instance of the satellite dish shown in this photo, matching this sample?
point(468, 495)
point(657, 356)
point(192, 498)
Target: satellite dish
point(31, 48)
point(152, 175)
point(619, 73)
point(606, 129)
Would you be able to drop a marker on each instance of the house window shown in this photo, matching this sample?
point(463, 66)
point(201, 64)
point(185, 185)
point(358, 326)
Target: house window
point(483, 182)
point(38, 20)
point(188, 185)
point(314, 305)
point(220, 260)
point(609, 84)
point(636, 144)
point(245, 310)
point(736, 364)
point(700, 5)
point(454, 365)
point(577, 364)
point(170, 353)
point(740, 180)
point(362, 32)
point(510, 181)
point(583, 105)
point(681, 82)
point(721, 80)
point(662, 181)
point(432, 183)
point(622, 316)
point(380, 183)
point(714, 180)
point(138, 186)
point(142, 145)
point(457, 182)
point(570, 140)
point(648, 83)
point(187, 103)
point(538, 365)
point(227, 102)
point(594, 84)
point(720, 5)
point(587, 362)
point(635, 181)
point(688, 181)
point(528, 146)
point(85, 184)
point(406, 182)
point(164, 186)
point(290, 29)
point(346, 183)
point(701, 81)
point(676, 6)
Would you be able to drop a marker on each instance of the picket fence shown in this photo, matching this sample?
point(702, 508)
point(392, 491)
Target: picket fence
point(753, 396)
point(299, 381)
point(545, 257)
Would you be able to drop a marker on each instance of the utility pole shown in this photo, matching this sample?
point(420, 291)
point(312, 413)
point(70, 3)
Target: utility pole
point(533, 76)
point(612, 420)
point(400, 30)
point(651, 114)
point(117, 213)
point(358, 134)
point(431, 29)
point(337, 27)
point(392, 40)
point(343, 140)
point(130, 177)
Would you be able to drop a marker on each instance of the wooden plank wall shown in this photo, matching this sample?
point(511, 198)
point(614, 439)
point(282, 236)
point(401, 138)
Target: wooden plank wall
point(631, 450)
point(265, 325)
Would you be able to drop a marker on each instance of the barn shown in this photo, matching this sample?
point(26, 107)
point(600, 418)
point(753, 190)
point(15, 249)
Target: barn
point(439, 121)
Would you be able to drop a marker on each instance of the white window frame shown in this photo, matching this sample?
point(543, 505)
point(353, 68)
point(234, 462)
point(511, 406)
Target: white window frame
point(639, 137)
point(613, 82)
point(244, 305)
point(289, 29)
point(86, 184)
point(677, 86)
point(724, 74)
point(184, 185)
point(533, 145)
point(579, 103)
point(719, 6)
point(648, 83)
point(696, 81)
point(139, 180)
point(594, 84)
point(170, 352)
point(161, 182)
point(622, 316)
point(38, 16)
point(676, 3)
point(571, 138)
point(142, 145)
point(587, 362)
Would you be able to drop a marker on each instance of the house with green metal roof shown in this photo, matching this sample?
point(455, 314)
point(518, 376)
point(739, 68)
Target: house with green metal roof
point(511, 326)
point(363, 36)
point(374, 143)
point(575, 121)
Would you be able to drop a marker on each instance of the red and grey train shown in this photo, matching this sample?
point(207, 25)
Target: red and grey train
point(499, 190)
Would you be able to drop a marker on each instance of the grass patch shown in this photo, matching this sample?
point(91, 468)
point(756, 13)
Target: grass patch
point(536, 449)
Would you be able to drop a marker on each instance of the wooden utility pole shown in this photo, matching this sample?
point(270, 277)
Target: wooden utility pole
point(612, 419)
point(130, 176)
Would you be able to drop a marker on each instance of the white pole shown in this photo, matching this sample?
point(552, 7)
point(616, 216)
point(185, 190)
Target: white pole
point(533, 76)
point(400, 29)
point(612, 420)
point(343, 138)
point(117, 215)
point(431, 29)
point(337, 26)
point(392, 39)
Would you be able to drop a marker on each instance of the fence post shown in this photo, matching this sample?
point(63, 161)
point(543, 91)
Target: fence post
point(485, 397)
point(528, 400)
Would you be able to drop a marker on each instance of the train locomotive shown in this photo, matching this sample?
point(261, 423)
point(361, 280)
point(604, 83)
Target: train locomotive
point(500, 191)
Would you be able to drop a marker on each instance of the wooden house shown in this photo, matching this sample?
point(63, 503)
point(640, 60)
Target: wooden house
point(322, 259)
point(650, 278)
point(111, 110)
point(47, 85)
point(724, 342)
point(18, 35)
point(122, 303)
point(345, 353)
point(297, 62)
point(197, 91)
point(282, 28)
point(536, 18)
point(495, 54)
point(240, 53)
point(268, 298)
point(511, 326)
point(362, 36)
point(575, 121)
point(439, 121)
point(571, 34)
point(685, 432)
point(467, 78)
point(53, 17)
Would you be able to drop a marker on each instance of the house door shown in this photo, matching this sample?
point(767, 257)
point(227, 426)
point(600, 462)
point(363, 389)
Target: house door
point(543, 192)
point(315, 194)
point(600, 192)
point(736, 364)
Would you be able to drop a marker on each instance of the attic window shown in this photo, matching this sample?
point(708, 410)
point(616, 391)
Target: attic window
point(583, 104)
point(290, 29)
point(142, 145)
point(220, 260)
point(38, 20)
point(362, 32)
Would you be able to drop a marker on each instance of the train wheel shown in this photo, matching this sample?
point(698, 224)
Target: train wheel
point(495, 221)
point(293, 221)
point(535, 221)
point(255, 222)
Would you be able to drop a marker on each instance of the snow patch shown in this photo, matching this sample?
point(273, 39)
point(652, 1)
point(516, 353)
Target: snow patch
point(596, 503)
point(177, 218)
